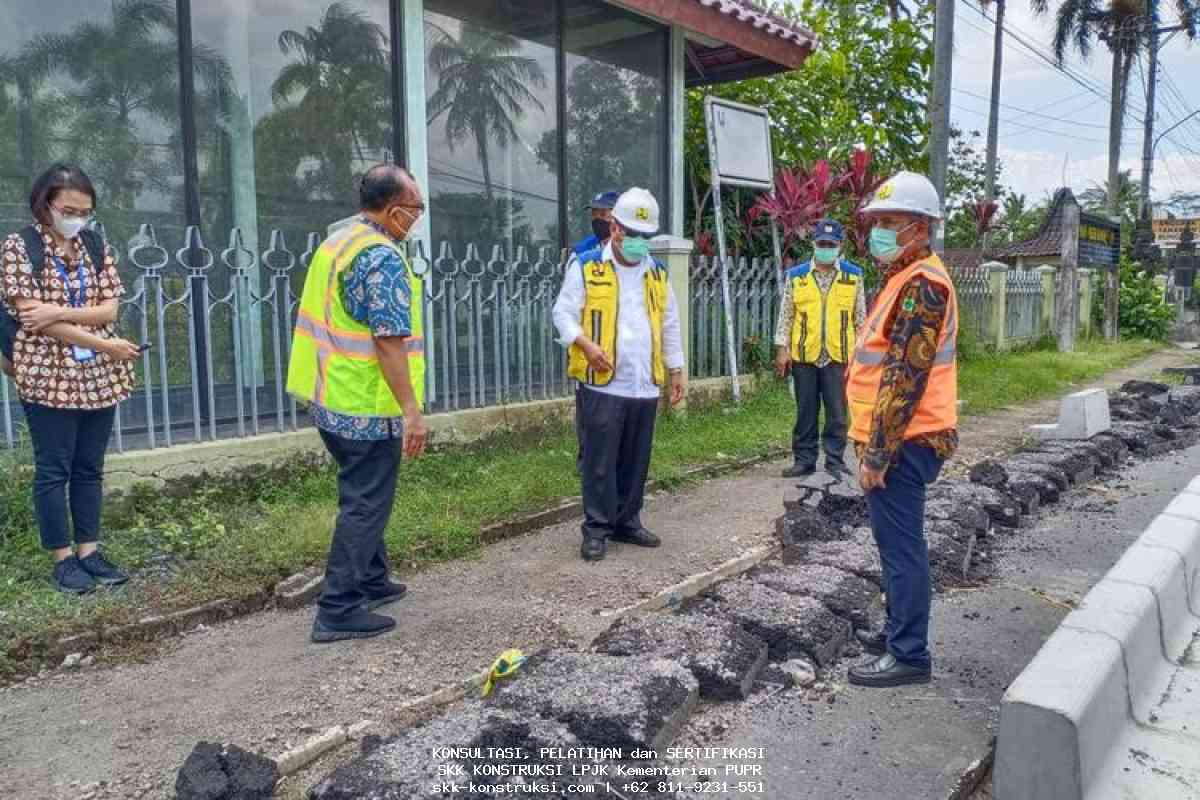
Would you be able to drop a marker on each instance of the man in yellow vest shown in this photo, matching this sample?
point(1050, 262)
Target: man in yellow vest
point(902, 387)
point(616, 313)
point(358, 362)
point(820, 308)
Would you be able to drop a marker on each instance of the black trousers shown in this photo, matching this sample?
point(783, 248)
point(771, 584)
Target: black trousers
point(358, 565)
point(615, 438)
point(68, 452)
point(816, 387)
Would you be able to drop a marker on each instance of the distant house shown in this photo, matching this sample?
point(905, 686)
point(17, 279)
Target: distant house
point(1099, 240)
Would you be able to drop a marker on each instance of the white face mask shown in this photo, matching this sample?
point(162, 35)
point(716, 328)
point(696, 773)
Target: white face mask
point(69, 227)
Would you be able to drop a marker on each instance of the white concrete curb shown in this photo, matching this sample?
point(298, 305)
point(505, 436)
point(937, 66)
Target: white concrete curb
point(1104, 708)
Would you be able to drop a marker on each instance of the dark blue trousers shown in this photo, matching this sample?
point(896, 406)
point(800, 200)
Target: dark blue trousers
point(898, 522)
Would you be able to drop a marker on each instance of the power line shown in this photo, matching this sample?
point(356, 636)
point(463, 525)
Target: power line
point(1034, 113)
point(1032, 127)
point(1090, 84)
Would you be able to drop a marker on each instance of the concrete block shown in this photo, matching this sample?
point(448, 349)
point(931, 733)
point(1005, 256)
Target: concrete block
point(723, 657)
point(861, 559)
point(843, 593)
point(606, 701)
point(299, 589)
point(1164, 573)
point(1059, 718)
point(790, 625)
point(1081, 415)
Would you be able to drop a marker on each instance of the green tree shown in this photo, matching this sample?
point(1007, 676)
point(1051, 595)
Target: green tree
point(966, 181)
point(483, 88)
point(866, 85)
point(336, 95)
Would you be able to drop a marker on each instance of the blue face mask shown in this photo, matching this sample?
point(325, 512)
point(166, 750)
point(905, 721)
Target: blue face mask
point(884, 243)
point(825, 255)
point(635, 248)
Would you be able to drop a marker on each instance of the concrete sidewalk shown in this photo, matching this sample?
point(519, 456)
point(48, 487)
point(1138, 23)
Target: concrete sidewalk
point(917, 742)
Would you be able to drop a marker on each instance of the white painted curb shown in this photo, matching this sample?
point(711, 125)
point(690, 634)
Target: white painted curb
point(1103, 709)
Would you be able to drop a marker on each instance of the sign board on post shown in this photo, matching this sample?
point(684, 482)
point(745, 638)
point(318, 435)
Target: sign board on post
point(739, 154)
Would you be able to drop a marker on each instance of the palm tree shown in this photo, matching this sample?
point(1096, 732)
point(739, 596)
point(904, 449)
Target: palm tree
point(117, 69)
point(1096, 197)
point(483, 88)
point(342, 80)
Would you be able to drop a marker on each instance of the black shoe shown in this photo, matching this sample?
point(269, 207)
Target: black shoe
point(71, 578)
point(391, 592)
point(799, 470)
point(641, 537)
point(593, 548)
point(102, 570)
point(873, 643)
point(887, 671)
point(361, 625)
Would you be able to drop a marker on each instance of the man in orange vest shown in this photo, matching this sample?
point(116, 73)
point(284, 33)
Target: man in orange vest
point(902, 389)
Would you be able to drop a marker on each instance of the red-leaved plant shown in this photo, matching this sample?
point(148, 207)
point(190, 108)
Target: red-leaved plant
point(860, 184)
point(983, 213)
point(801, 197)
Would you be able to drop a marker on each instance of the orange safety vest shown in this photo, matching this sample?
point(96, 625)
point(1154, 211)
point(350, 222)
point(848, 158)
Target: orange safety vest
point(938, 407)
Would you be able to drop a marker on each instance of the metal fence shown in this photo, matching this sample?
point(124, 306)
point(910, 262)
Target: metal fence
point(974, 290)
point(754, 294)
point(1023, 305)
point(220, 320)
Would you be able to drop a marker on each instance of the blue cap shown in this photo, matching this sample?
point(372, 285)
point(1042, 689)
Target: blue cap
point(827, 230)
point(605, 200)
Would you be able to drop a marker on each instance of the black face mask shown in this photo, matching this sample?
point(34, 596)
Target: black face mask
point(600, 227)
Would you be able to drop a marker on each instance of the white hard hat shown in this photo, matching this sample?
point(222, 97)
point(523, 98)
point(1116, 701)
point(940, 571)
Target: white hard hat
point(907, 193)
point(637, 210)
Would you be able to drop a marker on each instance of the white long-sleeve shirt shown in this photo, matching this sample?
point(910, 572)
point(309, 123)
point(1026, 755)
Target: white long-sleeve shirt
point(634, 375)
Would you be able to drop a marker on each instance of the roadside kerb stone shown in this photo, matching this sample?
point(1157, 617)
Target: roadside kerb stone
point(1081, 415)
point(1111, 677)
point(843, 593)
point(722, 656)
point(606, 701)
point(789, 624)
point(300, 589)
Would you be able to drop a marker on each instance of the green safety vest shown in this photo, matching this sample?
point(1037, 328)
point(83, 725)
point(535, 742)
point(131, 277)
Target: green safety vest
point(334, 364)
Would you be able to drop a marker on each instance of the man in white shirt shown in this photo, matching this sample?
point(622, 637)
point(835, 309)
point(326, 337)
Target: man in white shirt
point(617, 316)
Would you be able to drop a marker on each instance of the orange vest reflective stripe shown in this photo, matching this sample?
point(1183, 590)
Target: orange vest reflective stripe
point(938, 407)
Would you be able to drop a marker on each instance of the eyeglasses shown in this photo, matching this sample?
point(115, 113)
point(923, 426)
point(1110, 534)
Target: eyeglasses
point(68, 211)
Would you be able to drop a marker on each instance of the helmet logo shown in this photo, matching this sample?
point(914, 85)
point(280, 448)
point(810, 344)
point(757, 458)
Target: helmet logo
point(885, 191)
point(642, 213)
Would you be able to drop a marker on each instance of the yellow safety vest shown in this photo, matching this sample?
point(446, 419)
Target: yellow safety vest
point(823, 321)
point(601, 307)
point(334, 363)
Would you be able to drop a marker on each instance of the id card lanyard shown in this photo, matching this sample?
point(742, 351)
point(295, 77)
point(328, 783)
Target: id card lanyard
point(76, 299)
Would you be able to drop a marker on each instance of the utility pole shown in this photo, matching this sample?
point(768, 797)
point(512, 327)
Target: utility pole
point(993, 131)
point(939, 107)
point(1148, 135)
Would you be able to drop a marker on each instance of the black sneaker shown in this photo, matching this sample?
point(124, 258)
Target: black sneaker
point(593, 548)
point(102, 570)
point(391, 592)
point(71, 578)
point(640, 537)
point(799, 470)
point(361, 625)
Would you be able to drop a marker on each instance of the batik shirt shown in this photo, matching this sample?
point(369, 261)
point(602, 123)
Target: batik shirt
point(913, 326)
point(376, 292)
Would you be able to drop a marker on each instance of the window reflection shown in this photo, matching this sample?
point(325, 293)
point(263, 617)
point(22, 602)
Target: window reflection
point(491, 92)
point(93, 82)
point(616, 106)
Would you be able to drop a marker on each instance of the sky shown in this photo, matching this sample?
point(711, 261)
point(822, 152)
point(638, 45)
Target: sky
point(1069, 134)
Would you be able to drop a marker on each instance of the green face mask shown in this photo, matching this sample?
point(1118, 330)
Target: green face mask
point(635, 248)
point(825, 255)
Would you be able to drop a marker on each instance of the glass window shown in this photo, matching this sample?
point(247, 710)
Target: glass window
point(492, 122)
point(300, 94)
point(93, 82)
point(616, 110)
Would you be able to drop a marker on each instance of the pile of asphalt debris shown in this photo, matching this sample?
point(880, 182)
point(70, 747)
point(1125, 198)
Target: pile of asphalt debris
point(639, 681)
